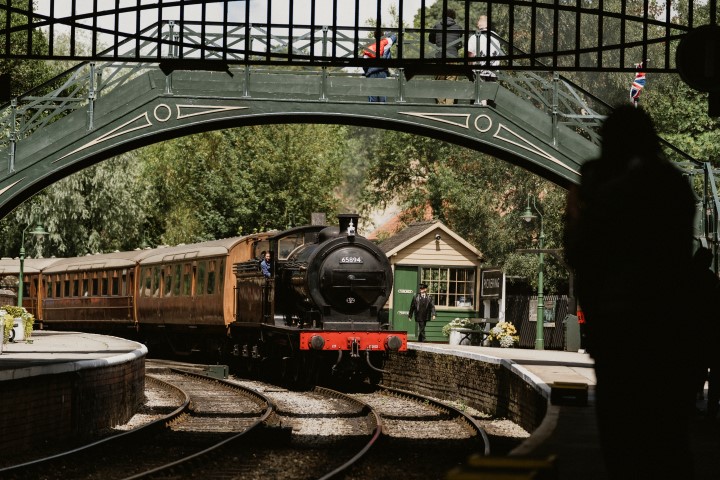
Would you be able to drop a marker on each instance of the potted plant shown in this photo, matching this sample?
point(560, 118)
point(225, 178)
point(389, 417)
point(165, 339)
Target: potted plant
point(450, 330)
point(503, 335)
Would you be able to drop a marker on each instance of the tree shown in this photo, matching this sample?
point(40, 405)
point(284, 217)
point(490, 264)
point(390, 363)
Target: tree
point(25, 74)
point(99, 209)
point(231, 182)
point(476, 195)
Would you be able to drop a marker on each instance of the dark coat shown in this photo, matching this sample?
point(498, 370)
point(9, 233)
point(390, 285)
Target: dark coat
point(422, 308)
point(454, 34)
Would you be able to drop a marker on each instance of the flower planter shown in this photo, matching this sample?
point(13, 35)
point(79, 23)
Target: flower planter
point(19, 329)
point(458, 337)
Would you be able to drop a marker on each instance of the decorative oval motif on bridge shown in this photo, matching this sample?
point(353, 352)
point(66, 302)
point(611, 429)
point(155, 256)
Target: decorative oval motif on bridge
point(162, 118)
point(483, 119)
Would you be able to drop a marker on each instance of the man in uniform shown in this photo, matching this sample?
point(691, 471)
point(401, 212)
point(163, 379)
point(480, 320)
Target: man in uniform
point(423, 308)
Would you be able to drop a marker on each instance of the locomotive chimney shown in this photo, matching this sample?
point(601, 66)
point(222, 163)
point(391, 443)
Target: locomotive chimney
point(344, 219)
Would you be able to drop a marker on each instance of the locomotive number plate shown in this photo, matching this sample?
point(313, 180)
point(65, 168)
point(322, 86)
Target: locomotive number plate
point(351, 260)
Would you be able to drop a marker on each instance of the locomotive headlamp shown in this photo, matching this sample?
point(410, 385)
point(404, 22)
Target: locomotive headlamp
point(317, 342)
point(393, 343)
point(351, 230)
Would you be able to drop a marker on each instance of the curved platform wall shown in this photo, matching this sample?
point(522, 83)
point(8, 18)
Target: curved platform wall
point(44, 409)
point(488, 387)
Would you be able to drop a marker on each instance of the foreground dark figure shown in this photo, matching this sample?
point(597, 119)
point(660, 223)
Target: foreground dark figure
point(629, 238)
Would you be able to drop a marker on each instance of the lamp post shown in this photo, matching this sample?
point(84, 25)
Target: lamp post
point(528, 216)
point(39, 231)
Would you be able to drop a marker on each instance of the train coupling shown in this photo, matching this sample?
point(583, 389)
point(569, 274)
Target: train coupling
point(236, 350)
point(354, 347)
point(255, 352)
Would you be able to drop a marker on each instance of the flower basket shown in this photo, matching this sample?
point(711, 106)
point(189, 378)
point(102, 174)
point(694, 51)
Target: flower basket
point(503, 335)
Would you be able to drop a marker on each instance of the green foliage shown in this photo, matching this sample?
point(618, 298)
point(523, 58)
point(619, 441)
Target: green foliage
point(225, 183)
point(102, 208)
point(24, 74)
point(478, 196)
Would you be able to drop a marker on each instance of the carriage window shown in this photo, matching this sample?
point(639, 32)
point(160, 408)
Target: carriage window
point(58, 287)
point(211, 278)
point(76, 287)
point(115, 286)
point(104, 283)
point(123, 283)
point(168, 283)
point(49, 291)
point(156, 282)
point(85, 287)
point(176, 280)
point(94, 290)
point(66, 289)
point(187, 279)
point(450, 287)
point(200, 288)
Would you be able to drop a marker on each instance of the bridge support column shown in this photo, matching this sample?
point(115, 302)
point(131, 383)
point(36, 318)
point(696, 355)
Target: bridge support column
point(12, 135)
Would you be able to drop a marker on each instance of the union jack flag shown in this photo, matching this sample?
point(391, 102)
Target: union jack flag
point(638, 83)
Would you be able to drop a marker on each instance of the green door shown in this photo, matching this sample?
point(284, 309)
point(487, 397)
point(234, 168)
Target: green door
point(405, 283)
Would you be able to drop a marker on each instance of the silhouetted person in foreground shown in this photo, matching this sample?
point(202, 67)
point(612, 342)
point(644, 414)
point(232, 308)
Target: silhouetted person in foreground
point(705, 308)
point(629, 236)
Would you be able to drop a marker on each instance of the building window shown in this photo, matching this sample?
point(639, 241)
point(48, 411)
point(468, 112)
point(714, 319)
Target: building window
point(450, 287)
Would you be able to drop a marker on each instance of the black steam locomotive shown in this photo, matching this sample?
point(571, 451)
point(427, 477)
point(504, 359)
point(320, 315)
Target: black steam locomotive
point(320, 311)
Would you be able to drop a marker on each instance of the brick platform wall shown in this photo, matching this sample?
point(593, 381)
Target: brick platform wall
point(490, 388)
point(52, 408)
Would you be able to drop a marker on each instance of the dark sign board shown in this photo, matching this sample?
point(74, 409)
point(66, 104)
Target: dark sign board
point(491, 283)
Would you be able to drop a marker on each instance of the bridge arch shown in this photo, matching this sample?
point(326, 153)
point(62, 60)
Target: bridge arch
point(153, 106)
point(220, 69)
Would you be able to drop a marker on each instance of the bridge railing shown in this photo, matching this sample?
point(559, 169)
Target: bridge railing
point(80, 87)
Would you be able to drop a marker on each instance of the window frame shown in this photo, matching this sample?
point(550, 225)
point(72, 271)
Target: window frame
point(444, 285)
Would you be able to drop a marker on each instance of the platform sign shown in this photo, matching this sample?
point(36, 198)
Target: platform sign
point(491, 283)
point(550, 305)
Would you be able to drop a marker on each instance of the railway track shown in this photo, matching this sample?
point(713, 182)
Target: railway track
point(214, 415)
point(425, 438)
point(320, 434)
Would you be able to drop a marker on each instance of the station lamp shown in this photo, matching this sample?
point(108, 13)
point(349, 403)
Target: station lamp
point(39, 231)
point(529, 216)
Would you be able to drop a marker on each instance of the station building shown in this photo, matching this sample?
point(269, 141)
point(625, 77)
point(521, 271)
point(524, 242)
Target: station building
point(429, 252)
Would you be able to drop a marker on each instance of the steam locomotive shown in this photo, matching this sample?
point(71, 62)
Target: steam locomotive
point(319, 314)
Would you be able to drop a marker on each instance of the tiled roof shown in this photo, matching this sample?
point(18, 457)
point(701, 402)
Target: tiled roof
point(406, 234)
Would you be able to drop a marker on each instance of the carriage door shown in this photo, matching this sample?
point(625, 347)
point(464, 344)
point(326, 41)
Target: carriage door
point(406, 281)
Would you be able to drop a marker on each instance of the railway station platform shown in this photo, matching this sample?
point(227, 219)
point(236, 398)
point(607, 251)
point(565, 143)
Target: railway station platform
point(67, 385)
point(568, 432)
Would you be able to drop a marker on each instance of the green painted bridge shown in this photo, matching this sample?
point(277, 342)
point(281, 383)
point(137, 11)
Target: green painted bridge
point(148, 106)
point(175, 78)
